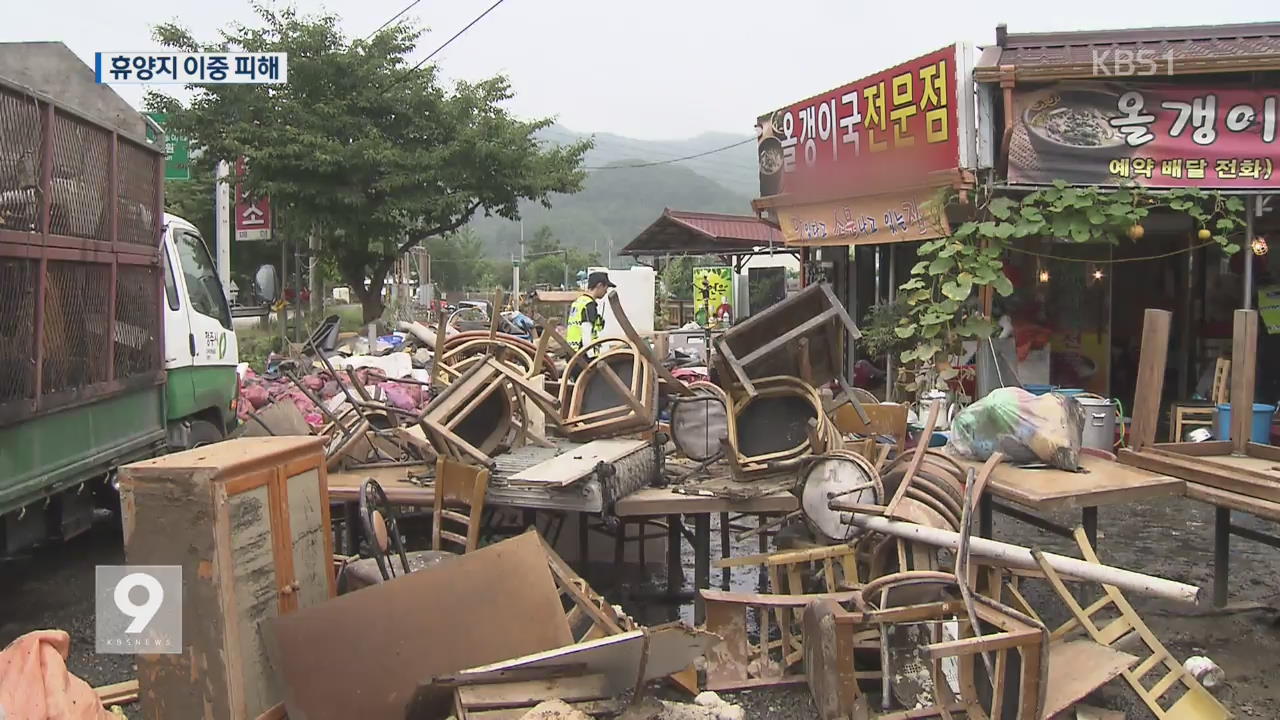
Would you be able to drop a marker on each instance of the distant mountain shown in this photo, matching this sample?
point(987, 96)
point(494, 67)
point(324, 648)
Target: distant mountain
point(616, 203)
point(734, 168)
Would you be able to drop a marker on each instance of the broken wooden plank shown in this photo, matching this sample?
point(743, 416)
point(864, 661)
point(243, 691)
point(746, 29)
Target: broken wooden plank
point(1077, 668)
point(523, 693)
point(1151, 364)
point(1244, 363)
point(121, 693)
point(574, 465)
point(622, 658)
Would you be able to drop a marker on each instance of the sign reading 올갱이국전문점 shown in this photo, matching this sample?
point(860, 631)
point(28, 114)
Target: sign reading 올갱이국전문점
point(253, 214)
point(893, 129)
point(1117, 133)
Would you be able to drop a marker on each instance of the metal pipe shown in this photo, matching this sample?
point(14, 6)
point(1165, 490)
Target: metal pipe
point(1014, 556)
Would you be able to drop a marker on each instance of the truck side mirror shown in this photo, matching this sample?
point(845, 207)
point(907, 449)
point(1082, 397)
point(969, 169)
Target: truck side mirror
point(266, 283)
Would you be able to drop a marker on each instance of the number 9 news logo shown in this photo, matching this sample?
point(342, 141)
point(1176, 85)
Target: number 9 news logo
point(138, 609)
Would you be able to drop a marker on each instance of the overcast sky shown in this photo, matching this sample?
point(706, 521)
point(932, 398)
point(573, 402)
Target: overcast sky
point(656, 69)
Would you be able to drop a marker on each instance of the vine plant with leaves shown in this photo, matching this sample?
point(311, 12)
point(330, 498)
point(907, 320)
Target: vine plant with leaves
point(942, 313)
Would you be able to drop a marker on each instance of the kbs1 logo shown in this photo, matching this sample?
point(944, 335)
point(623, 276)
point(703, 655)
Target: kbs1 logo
point(138, 609)
point(1120, 62)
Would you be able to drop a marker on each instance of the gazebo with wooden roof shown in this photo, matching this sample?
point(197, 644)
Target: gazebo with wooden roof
point(734, 237)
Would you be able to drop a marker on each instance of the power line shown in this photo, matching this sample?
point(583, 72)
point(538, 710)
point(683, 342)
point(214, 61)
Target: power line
point(458, 34)
point(673, 160)
point(408, 74)
point(406, 9)
point(647, 147)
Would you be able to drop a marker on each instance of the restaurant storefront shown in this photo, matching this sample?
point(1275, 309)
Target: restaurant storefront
point(851, 176)
point(1205, 116)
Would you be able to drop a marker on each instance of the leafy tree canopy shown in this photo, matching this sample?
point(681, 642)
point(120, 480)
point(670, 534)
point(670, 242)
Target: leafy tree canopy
point(359, 146)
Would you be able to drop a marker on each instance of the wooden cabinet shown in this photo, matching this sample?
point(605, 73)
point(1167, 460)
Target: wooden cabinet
point(248, 522)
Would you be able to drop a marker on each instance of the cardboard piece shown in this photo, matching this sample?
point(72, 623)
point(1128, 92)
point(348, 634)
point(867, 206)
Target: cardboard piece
point(364, 654)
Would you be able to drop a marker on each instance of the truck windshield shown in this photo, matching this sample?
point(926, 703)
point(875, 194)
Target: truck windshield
point(202, 278)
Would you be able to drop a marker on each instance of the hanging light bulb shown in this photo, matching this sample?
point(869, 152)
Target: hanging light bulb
point(1259, 246)
point(1097, 274)
point(1044, 276)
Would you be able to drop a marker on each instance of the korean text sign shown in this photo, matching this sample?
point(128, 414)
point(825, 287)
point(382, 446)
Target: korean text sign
point(1153, 135)
point(898, 125)
point(120, 68)
point(869, 219)
point(253, 214)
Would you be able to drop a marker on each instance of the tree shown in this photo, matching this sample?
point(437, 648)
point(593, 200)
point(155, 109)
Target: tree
point(458, 262)
point(374, 155)
point(550, 262)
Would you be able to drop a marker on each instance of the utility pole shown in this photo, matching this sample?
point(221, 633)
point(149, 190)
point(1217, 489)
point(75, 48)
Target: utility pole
point(222, 225)
point(315, 285)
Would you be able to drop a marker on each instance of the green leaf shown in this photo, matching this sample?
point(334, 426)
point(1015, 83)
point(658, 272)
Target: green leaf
point(1235, 204)
point(1060, 184)
point(920, 267)
point(986, 228)
point(1001, 207)
point(956, 291)
point(1005, 230)
point(1080, 234)
point(941, 265)
point(905, 332)
point(1003, 286)
point(907, 356)
point(1095, 216)
point(931, 246)
point(1225, 225)
point(965, 277)
point(931, 331)
point(949, 307)
point(949, 250)
point(965, 230)
point(1231, 249)
point(1179, 204)
point(992, 251)
point(949, 374)
point(1032, 214)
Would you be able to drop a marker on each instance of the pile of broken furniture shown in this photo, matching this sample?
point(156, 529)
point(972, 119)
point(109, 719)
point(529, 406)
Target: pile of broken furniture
point(887, 606)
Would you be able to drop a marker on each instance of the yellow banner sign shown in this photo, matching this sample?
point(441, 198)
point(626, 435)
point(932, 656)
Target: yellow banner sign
point(870, 220)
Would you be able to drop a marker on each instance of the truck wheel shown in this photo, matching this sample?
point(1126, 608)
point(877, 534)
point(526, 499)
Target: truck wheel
point(202, 433)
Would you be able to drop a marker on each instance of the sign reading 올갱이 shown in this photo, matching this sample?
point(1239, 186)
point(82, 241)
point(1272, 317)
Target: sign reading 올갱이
point(138, 609)
point(1117, 133)
point(191, 68)
point(897, 125)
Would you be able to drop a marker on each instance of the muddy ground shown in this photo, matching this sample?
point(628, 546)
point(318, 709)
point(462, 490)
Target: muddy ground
point(53, 588)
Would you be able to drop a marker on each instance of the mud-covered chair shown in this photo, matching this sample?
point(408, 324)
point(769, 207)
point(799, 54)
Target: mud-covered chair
point(455, 526)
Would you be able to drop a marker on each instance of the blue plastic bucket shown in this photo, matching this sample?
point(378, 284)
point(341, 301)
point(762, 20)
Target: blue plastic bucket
point(1261, 431)
point(1039, 389)
point(1070, 392)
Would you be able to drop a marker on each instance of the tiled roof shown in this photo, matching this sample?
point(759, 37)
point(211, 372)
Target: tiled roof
point(1176, 50)
point(679, 232)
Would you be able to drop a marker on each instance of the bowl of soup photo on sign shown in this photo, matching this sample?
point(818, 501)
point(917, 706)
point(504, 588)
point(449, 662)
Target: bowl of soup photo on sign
point(1070, 123)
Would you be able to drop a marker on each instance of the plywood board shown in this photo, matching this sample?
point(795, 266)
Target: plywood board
point(1105, 483)
point(574, 465)
point(1077, 668)
point(364, 654)
point(619, 657)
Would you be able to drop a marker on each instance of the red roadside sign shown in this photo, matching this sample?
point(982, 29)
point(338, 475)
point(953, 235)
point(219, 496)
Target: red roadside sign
point(253, 214)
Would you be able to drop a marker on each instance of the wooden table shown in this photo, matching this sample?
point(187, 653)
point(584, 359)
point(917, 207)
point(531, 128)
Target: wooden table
point(1049, 489)
point(1225, 502)
point(658, 502)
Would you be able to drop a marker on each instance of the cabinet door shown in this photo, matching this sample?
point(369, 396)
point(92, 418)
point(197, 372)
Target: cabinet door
point(308, 519)
point(255, 592)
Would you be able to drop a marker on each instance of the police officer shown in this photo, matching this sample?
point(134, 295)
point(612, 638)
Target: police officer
point(586, 320)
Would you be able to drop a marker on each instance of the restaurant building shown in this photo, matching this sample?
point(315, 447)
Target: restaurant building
point(1159, 108)
point(850, 176)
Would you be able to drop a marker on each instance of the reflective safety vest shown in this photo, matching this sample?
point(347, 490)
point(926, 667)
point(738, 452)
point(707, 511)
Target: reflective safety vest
point(577, 316)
